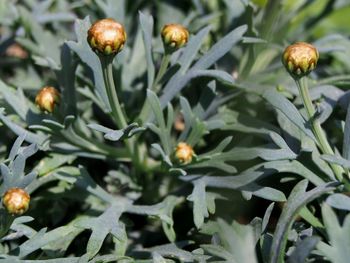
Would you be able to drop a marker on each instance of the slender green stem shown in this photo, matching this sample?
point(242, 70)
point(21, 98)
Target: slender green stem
point(316, 126)
point(116, 110)
point(146, 109)
point(163, 67)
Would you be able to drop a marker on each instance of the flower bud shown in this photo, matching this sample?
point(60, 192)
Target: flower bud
point(174, 36)
point(300, 59)
point(107, 37)
point(16, 201)
point(184, 153)
point(47, 98)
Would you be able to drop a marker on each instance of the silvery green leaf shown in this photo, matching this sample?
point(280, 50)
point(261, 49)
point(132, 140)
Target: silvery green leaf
point(336, 160)
point(237, 243)
point(303, 249)
point(266, 217)
point(296, 200)
point(339, 240)
point(198, 197)
point(146, 22)
point(39, 139)
point(163, 211)
point(81, 178)
point(223, 46)
point(116, 135)
point(339, 201)
point(101, 226)
point(288, 109)
point(174, 250)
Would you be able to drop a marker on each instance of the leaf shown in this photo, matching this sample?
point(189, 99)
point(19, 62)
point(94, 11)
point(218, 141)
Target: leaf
point(303, 249)
point(288, 109)
point(117, 135)
point(339, 201)
point(198, 197)
point(163, 210)
point(296, 200)
point(164, 130)
point(337, 160)
point(13, 174)
point(173, 251)
point(66, 78)
point(38, 139)
point(237, 243)
point(221, 48)
point(16, 99)
point(81, 178)
point(53, 161)
point(339, 238)
point(107, 223)
point(146, 23)
point(191, 49)
point(266, 217)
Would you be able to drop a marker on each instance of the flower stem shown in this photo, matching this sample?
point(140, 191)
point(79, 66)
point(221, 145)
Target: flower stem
point(116, 110)
point(163, 67)
point(316, 126)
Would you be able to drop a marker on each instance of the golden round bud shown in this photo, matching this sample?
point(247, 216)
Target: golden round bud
point(16, 201)
point(107, 37)
point(300, 59)
point(47, 98)
point(174, 36)
point(184, 153)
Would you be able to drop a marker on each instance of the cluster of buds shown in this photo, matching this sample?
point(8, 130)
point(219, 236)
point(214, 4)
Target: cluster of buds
point(106, 37)
point(47, 98)
point(184, 153)
point(16, 201)
point(300, 59)
point(174, 36)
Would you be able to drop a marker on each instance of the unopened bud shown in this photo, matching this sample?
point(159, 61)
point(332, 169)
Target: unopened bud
point(16, 201)
point(300, 59)
point(47, 98)
point(184, 153)
point(174, 36)
point(107, 37)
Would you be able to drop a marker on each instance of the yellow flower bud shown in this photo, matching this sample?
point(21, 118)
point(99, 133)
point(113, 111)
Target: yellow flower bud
point(16, 201)
point(174, 36)
point(184, 153)
point(47, 98)
point(107, 37)
point(300, 59)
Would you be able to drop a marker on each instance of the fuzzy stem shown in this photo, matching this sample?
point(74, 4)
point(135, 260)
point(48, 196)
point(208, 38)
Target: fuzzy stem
point(316, 126)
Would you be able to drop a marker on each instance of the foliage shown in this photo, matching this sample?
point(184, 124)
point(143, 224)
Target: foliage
point(106, 189)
